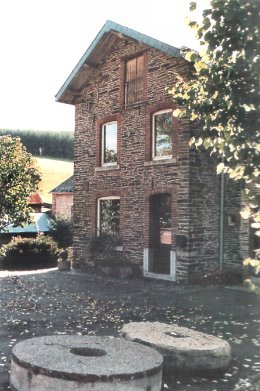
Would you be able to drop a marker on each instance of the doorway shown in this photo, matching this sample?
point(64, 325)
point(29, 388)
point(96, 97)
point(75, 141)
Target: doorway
point(160, 233)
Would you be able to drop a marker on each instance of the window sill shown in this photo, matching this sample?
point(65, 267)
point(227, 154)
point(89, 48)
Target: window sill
point(107, 168)
point(159, 162)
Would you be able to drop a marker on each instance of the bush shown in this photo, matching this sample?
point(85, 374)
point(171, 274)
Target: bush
point(104, 243)
point(29, 253)
point(105, 253)
point(62, 232)
point(229, 277)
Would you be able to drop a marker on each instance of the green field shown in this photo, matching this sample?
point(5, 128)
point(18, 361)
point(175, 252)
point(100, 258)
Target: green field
point(54, 171)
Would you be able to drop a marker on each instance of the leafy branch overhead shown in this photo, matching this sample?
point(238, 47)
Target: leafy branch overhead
point(223, 94)
point(19, 179)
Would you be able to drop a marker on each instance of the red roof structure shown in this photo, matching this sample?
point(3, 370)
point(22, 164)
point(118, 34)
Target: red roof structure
point(35, 199)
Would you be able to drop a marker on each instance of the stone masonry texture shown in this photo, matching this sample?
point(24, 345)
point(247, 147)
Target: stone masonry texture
point(189, 176)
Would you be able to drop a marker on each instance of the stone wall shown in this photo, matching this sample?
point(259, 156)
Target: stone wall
point(189, 176)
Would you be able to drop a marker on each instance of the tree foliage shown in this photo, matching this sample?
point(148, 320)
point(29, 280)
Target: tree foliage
point(45, 143)
point(19, 178)
point(223, 94)
point(62, 232)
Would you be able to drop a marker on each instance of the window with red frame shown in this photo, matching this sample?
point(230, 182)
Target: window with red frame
point(162, 133)
point(109, 143)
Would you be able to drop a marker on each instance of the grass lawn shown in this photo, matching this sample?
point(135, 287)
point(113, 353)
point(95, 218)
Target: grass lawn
point(54, 171)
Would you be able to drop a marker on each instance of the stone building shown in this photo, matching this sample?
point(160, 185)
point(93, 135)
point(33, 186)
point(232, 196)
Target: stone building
point(134, 172)
point(62, 199)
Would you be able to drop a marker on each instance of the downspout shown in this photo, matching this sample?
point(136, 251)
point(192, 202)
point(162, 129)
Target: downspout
point(221, 222)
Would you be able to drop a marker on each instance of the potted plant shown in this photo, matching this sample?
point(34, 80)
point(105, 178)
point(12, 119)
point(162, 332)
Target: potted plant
point(63, 262)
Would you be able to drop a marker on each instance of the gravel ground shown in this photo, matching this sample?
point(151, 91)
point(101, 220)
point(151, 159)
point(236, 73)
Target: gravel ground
point(52, 302)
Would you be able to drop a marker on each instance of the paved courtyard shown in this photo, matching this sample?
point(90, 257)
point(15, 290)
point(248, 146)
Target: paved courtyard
point(57, 303)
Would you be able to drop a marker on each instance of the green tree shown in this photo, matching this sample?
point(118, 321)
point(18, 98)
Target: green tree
point(19, 178)
point(223, 94)
point(56, 144)
point(62, 232)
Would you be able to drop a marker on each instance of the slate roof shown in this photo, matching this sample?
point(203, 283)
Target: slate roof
point(98, 49)
point(64, 187)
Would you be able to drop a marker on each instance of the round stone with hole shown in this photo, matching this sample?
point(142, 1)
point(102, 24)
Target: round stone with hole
point(182, 348)
point(82, 363)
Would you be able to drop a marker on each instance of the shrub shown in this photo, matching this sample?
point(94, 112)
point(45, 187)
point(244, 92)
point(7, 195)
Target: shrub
point(62, 232)
point(229, 277)
point(29, 253)
point(105, 253)
point(104, 243)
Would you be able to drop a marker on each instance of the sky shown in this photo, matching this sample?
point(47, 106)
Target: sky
point(43, 40)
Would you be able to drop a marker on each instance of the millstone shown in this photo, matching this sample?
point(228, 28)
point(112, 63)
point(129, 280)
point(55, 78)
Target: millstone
point(182, 348)
point(82, 363)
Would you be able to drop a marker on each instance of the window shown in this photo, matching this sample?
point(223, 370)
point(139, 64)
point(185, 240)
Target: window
point(108, 215)
point(134, 83)
point(162, 124)
point(109, 144)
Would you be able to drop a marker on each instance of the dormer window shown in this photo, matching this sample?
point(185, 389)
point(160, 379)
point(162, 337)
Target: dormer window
point(109, 144)
point(134, 81)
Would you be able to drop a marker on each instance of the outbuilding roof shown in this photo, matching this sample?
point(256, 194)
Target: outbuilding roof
point(35, 199)
point(98, 49)
point(64, 187)
point(41, 222)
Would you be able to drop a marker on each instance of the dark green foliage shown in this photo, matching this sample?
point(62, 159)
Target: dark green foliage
point(54, 144)
point(29, 253)
point(62, 232)
point(105, 252)
point(223, 95)
point(19, 178)
point(63, 255)
point(217, 277)
point(104, 243)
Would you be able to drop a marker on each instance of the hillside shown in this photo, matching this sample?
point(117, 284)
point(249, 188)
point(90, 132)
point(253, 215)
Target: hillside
point(54, 171)
point(56, 145)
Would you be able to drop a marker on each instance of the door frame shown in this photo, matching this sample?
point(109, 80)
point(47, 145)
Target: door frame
point(148, 250)
point(147, 265)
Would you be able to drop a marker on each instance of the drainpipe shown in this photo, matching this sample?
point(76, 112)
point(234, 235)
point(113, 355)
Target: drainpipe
point(221, 222)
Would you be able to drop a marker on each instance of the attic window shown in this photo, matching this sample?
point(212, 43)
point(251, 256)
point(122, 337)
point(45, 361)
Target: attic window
point(134, 82)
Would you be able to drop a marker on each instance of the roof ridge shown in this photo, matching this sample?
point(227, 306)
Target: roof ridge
point(57, 188)
point(113, 26)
